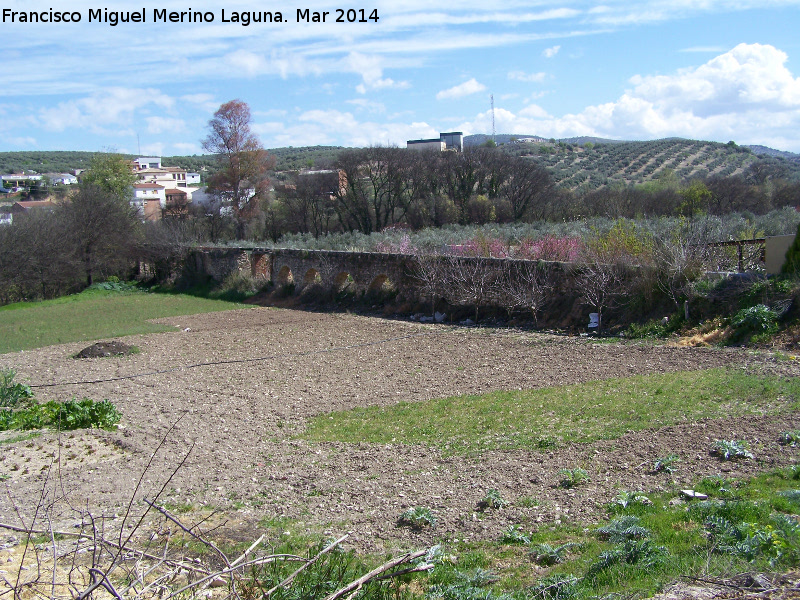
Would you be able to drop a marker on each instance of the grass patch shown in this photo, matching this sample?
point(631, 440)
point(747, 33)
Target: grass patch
point(94, 314)
point(574, 413)
point(638, 550)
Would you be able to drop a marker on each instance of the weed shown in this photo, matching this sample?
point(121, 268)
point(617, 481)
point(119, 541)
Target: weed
point(643, 553)
point(624, 499)
point(515, 535)
point(492, 499)
point(623, 529)
point(730, 449)
point(418, 517)
point(572, 477)
point(72, 414)
point(757, 320)
point(547, 555)
point(666, 464)
point(13, 394)
point(527, 502)
point(793, 496)
point(789, 438)
point(554, 587)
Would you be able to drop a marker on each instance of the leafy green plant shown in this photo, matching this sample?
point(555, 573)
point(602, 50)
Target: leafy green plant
point(624, 499)
point(555, 587)
point(789, 438)
point(492, 499)
point(643, 553)
point(515, 535)
point(13, 394)
point(572, 477)
point(547, 555)
point(72, 414)
point(756, 319)
point(731, 449)
point(418, 517)
point(666, 464)
point(622, 529)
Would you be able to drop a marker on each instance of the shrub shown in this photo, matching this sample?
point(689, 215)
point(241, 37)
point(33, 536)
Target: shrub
point(792, 264)
point(758, 319)
point(572, 477)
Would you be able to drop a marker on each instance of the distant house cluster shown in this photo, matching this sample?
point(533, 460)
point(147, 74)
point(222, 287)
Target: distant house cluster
point(453, 141)
point(161, 190)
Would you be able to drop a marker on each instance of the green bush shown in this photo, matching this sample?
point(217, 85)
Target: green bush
point(13, 394)
point(72, 414)
point(758, 318)
point(792, 264)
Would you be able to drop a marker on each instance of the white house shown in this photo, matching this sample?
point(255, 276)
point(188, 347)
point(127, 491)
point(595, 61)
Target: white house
point(63, 178)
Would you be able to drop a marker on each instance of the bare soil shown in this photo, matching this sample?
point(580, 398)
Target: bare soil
point(223, 435)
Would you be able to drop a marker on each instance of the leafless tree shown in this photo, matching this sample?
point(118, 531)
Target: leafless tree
point(473, 281)
point(524, 285)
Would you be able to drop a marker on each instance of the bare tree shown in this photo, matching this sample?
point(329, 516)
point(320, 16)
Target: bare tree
point(433, 276)
point(524, 285)
point(473, 281)
point(242, 180)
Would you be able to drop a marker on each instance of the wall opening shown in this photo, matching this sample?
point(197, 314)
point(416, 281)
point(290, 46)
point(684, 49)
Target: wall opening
point(285, 276)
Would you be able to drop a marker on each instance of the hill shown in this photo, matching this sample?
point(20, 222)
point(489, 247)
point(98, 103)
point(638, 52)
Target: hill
point(578, 163)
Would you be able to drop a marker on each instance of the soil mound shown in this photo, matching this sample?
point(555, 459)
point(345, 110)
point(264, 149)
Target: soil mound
point(103, 349)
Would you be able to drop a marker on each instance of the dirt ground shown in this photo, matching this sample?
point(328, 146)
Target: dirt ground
point(232, 426)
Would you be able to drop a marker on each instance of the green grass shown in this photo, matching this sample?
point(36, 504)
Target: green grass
point(573, 413)
point(94, 314)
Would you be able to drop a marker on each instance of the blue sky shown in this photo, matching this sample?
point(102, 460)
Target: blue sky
point(705, 69)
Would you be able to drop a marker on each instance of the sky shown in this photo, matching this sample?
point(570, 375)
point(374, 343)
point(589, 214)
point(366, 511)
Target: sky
point(404, 69)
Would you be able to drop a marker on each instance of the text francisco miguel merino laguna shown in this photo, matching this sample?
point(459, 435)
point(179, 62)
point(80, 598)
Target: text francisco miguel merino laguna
point(161, 15)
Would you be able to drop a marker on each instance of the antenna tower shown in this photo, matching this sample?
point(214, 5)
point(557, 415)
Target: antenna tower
point(491, 96)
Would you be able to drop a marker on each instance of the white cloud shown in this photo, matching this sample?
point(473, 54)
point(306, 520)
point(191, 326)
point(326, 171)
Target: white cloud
point(746, 94)
point(551, 52)
point(527, 77)
point(19, 142)
point(325, 127)
point(370, 68)
point(464, 89)
point(186, 148)
point(111, 108)
point(368, 105)
point(157, 125)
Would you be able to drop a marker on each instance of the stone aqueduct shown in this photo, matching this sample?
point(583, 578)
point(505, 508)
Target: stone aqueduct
point(351, 272)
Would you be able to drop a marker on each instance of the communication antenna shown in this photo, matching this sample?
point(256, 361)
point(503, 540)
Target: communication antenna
point(491, 96)
point(138, 143)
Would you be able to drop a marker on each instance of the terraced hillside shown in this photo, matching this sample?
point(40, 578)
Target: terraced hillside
point(591, 166)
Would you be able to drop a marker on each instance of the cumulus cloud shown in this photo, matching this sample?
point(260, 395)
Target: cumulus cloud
point(464, 89)
point(109, 108)
point(746, 94)
point(551, 52)
point(527, 77)
point(157, 125)
point(326, 127)
point(370, 68)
